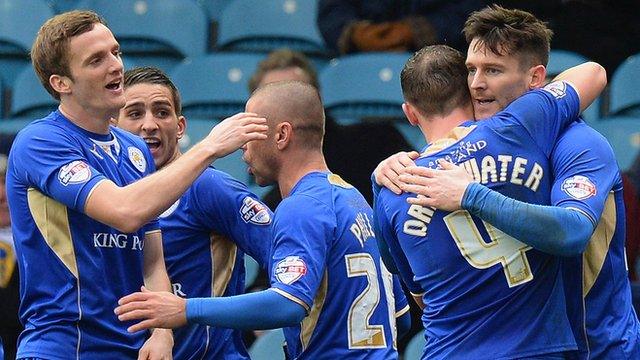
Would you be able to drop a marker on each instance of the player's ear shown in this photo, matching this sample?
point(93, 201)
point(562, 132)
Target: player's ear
point(538, 75)
point(283, 134)
point(411, 113)
point(61, 84)
point(182, 126)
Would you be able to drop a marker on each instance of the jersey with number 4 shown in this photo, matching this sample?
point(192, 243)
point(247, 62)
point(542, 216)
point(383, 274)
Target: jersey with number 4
point(487, 295)
point(325, 258)
point(73, 269)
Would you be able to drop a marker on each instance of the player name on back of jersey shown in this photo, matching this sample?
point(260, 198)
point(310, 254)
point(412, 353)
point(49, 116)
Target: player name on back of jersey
point(362, 228)
point(118, 241)
point(505, 168)
point(499, 169)
point(489, 169)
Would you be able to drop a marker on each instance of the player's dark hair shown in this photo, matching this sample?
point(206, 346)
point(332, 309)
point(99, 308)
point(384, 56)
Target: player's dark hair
point(510, 32)
point(434, 80)
point(280, 60)
point(153, 75)
point(50, 50)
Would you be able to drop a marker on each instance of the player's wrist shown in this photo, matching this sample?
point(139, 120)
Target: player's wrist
point(165, 334)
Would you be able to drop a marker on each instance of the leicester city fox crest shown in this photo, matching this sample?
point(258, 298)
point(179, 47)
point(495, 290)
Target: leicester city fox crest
point(137, 159)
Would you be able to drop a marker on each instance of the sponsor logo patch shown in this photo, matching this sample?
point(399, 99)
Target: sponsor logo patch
point(291, 269)
point(579, 187)
point(557, 88)
point(137, 159)
point(254, 212)
point(75, 172)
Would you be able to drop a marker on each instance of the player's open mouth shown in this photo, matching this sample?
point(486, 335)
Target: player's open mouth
point(484, 101)
point(114, 85)
point(152, 143)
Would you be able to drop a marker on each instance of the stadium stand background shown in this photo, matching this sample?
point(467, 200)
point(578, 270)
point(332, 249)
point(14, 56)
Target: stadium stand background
point(211, 47)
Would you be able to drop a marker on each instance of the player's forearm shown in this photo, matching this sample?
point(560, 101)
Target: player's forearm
point(589, 80)
point(246, 312)
point(154, 269)
point(550, 229)
point(130, 207)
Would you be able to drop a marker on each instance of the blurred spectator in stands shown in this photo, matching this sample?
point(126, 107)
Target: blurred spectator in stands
point(10, 326)
point(369, 142)
point(603, 31)
point(393, 25)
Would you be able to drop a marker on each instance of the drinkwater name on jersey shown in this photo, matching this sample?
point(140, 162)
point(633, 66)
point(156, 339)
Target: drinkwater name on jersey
point(118, 241)
point(500, 169)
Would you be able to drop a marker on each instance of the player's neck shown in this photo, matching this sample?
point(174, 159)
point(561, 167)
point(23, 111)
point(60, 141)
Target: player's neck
point(93, 121)
point(176, 154)
point(436, 127)
point(296, 167)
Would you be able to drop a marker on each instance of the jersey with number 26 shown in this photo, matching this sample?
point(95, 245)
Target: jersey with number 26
point(325, 258)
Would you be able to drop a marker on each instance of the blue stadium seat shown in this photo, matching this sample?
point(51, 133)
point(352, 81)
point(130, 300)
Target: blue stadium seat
point(625, 96)
point(2, 105)
point(214, 8)
point(29, 98)
point(623, 134)
point(19, 24)
point(155, 32)
point(266, 25)
point(214, 86)
point(60, 6)
point(268, 346)
point(364, 85)
point(415, 347)
point(13, 125)
point(560, 60)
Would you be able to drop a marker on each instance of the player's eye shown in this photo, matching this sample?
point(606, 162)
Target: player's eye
point(134, 114)
point(471, 71)
point(493, 71)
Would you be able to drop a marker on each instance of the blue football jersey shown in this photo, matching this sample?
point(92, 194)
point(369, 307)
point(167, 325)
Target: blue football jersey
point(487, 295)
point(588, 179)
point(73, 269)
point(324, 256)
point(205, 235)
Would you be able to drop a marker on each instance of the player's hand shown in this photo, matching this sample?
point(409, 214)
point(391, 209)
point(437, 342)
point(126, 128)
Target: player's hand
point(235, 131)
point(156, 309)
point(387, 173)
point(442, 188)
point(157, 347)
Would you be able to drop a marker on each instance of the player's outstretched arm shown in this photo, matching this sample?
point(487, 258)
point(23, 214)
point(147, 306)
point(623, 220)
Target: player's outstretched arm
point(160, 343)
point(554, 230)
point(387, 173)
point(130, 207)
point(588, 79)
point(247, 311)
